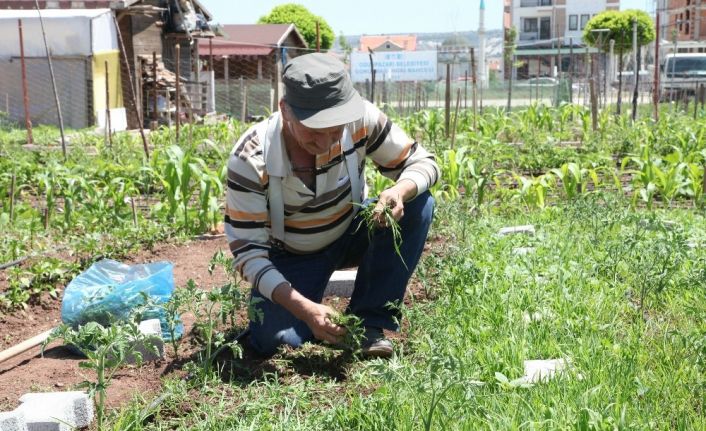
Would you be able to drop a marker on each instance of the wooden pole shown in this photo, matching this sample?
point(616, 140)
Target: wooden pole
point(539, 72)
point(592, 89)
point(155, 118)
point(226, 76)
point(318, 41)
point(24, 346)
point(636, 90)
point(655, 89)
point(243, 98)
point(465, 90)
point(25, 89)
point(108, 122)
point(475, 88)
point(178, 89)
point(458, 103)
point(53, 83)
point(131, 83)
point(12, 198)
point(447, 101)
point(211, 66)
point(134, 211)
point(571, 70)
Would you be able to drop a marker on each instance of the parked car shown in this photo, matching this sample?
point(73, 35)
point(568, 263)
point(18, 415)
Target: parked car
point(542, 81)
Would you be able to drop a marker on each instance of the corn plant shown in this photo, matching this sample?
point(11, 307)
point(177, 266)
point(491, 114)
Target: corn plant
point(533, 191)
point(574, 178)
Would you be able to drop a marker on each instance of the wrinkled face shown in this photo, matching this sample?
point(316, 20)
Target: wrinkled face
point(313, 141)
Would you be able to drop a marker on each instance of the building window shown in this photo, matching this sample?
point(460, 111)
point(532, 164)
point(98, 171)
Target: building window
point(530, 25)
point(573, 22)
point(584, 20)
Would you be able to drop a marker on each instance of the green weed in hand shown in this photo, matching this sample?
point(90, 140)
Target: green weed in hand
point(354, 330)
point(370, 214)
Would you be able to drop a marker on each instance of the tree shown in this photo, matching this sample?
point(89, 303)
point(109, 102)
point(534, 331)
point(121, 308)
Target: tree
point(617, 26)
point(305, 21)
point(345, 46)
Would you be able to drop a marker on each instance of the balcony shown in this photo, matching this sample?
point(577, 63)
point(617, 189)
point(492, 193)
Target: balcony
point(529, 35)
point(535, 3)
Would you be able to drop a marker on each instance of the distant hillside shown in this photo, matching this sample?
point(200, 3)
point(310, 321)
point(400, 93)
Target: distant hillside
point(430, 41)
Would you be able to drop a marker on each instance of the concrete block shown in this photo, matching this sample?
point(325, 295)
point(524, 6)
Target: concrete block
point(13, 421)
point(56, 411)
point(341, 284)
point(153, 337)
point(522, 251)
point(510, 230)
point(542, 370)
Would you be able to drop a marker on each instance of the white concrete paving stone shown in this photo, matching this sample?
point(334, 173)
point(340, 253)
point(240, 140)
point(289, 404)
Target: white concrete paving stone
point(153, 331)
point(341, 283)
point(542, 370)
point(13, 421)
point(522, 251)
point(56, 411)
point(526, 229)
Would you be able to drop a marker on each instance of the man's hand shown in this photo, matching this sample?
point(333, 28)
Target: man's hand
point(394, 198)
point(319, 321)
point(316, 316)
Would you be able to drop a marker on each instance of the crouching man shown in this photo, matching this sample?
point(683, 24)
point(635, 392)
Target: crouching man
point(296, 182)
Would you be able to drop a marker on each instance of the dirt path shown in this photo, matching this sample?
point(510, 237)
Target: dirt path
point(58, 370)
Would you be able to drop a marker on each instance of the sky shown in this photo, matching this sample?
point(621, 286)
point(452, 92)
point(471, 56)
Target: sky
point(356, 17)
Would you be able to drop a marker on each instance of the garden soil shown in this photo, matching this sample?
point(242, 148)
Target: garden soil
point(58, 369)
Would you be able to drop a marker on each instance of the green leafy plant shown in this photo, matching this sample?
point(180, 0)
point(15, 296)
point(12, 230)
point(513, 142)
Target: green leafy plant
point(106, 350)
point(354, 330)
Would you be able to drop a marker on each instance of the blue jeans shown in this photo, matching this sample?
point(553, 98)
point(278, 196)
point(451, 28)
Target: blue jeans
point(381, 280)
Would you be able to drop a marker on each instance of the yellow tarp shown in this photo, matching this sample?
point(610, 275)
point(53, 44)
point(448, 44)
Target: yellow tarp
point(115, 85)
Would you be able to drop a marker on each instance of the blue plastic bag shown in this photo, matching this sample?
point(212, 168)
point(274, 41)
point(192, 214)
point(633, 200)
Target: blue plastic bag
point(110, 291)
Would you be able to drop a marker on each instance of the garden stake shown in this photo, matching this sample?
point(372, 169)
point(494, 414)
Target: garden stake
point(108, 125)
point(131, 83)
point(134, 212)
point(46, 218)
point(447, 101)
point(458, 102)
point(154, 88)
point(655, 91)
point(25, 90)
point(178, 90)
point(12, 198)
point(474, 88)
point(53, 82)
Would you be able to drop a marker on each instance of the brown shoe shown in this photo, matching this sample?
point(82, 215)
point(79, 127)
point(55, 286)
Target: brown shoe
point(375, 345)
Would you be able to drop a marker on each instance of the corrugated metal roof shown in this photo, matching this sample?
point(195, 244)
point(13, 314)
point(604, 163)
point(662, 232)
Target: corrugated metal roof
point(64, 4)
point(251, 39)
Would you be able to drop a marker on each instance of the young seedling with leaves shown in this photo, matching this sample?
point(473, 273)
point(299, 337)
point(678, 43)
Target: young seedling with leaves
point(106, 350)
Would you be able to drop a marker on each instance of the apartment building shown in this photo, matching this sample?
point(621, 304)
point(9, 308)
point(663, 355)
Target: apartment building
point(684, 20)
point(545, 28)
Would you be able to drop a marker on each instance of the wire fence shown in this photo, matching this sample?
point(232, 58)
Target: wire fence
point(93, 88)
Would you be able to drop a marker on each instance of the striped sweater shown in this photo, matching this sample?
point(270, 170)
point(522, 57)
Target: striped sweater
point(312, 220)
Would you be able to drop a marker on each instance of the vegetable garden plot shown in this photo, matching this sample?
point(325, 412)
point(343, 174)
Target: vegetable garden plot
point(610, 285)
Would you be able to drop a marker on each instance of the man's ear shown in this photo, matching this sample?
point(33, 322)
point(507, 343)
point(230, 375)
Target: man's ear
point(283, 109)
